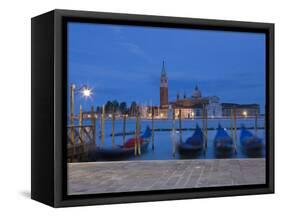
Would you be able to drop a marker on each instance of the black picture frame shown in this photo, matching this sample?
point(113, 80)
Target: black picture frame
point(48, 92)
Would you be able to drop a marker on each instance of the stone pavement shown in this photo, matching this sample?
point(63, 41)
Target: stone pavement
point(104, 177)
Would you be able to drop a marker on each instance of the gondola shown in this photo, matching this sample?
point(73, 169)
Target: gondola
point(249, 141)
point(125, 150)
point(193, 144)
point(223, 142)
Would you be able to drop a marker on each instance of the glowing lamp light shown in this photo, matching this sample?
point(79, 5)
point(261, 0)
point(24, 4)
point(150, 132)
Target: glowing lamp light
point(86, 92)
point(245, 113)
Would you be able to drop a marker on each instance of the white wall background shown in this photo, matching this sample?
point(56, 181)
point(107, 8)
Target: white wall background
point(15, 106)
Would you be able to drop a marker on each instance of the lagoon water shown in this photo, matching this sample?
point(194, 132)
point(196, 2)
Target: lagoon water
point(164, 141)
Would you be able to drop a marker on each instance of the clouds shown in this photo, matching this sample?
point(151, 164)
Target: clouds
point(128, 44)
point(134, 49)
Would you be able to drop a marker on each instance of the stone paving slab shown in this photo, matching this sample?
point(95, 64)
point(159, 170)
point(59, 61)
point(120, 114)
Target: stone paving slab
point(105, 177)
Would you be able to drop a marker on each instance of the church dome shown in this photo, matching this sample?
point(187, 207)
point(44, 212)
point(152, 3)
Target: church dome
point(196, 93)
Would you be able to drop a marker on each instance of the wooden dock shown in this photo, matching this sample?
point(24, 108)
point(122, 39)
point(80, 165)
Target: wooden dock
point(104, 177)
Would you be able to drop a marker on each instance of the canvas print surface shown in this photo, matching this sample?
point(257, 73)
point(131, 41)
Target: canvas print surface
point(157, 108)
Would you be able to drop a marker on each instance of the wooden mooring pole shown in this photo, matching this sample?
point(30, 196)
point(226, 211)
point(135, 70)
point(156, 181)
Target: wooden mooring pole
point(80, 123)
point(186, 127)
point(93, 120)
point(206, 127)
point(124, 128)
point(136, 137)
point(102, 125)
point(256, 122)
point(138, 134)
point(152, 126)
point(235, 130)
point(203, 128)
point(231, 120)
point(231, 123)
point(180, 126)
point(232, 128)
point(72, 136)
point(80, 133)
point(72, 88)
point(113, 129)
point(174, 132)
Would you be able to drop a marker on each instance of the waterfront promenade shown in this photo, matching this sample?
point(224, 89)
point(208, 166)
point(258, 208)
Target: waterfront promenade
point(105, 177)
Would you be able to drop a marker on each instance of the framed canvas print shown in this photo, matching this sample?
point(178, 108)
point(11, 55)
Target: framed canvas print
point(130, 108)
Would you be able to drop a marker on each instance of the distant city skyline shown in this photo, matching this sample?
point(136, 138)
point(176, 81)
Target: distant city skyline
point(124, 63)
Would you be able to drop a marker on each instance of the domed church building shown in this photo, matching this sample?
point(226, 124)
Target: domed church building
point(192, 106)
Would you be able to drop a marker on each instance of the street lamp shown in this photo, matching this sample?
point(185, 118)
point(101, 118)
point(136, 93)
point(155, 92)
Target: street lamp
point(245, 113)
point(84, 90)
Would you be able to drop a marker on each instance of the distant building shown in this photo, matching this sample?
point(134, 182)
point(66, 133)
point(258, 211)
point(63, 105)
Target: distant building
point(163, 88)
point(193, 106)
point(159, 113)
point(241, 110)
point(214, 107)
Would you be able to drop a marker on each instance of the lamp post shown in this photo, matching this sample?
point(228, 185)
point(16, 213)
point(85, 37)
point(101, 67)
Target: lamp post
point(72, 88)
point(86, 92)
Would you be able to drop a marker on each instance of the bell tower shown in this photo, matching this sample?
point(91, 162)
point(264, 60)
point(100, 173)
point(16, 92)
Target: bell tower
point(164, 88)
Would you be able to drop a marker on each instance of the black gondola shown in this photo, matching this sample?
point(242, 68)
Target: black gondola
point(194, 143)
point(223, 142)
point(126, 150)
point(249, 141)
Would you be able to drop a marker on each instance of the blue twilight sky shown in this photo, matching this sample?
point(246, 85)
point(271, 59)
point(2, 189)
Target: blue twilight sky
point(124, 63)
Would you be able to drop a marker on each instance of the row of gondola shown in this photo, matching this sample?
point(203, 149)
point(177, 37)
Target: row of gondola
point(223, 143)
